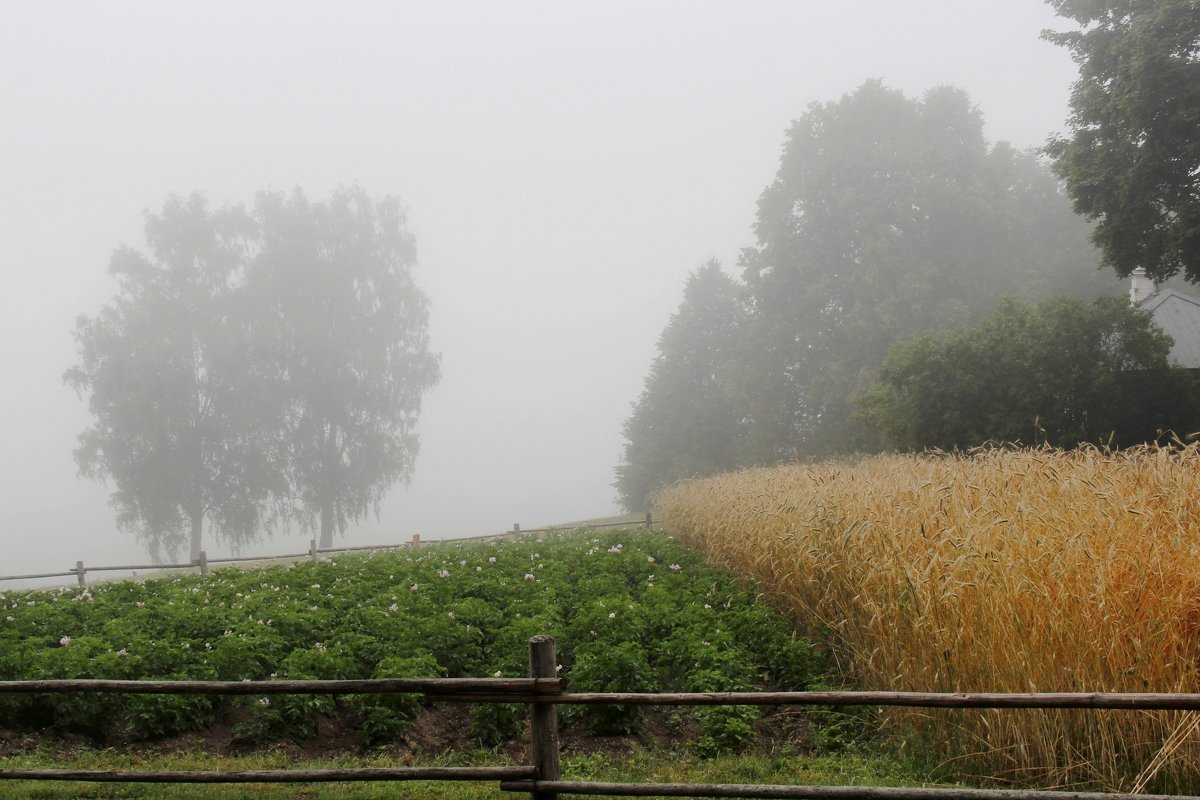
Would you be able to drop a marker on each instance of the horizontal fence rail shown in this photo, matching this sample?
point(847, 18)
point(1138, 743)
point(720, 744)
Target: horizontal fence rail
point(517, 529)
point(468, 690)
point(465, 690)
point(812, 792)
point(80, 570)
point(1098, 700)
point(550, 691)
point(275, 775)
point(544, 692)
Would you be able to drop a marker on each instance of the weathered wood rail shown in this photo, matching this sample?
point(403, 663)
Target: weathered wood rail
point(543, 691)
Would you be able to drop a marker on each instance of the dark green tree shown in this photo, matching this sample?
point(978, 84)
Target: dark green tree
point(1131, 160)
point(343, 337)
point(1063, 372)
point(164, 368)
point(687, 422)
point(889, 217)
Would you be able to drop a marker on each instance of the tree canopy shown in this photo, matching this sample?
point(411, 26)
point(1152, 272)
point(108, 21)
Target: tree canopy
point(889, 217)
point(164, 366)
point(1063, 372)
point(1131, 160)
point(687, 422)
point(256, 366)
point(343, 336)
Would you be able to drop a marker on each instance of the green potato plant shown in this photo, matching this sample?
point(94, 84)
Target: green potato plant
point(632, 611)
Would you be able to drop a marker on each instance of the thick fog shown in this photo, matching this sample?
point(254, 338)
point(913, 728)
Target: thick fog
point(565, 166)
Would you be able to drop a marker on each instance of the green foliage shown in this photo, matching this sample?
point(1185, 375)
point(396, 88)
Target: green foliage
point(1132, 157)
point(837, 729)
point(724, 729)
point(320, 663)
point(889, 217)
point(607, 668)
point(384, 718)
point(154, 716)
point(630, 610)
point(792, 663)
point(686, 423)
point(239, 657)
point(493, 724)
point(1064, 372)
point(296, 717)
point(721, 666)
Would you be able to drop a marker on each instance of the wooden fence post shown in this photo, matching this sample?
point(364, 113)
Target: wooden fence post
point(203, 562)
point(416, 544)
point(312, 549)
point(544, 716)
point(516, 529)
point(79, 573)
point(648, 520)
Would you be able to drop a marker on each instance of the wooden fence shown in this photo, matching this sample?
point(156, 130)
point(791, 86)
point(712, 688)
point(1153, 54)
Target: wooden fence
point(80, 571)
point(543, 691)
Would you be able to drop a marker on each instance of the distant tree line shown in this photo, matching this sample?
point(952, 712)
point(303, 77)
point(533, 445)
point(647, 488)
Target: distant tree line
point(872, 311)
point(256, 366)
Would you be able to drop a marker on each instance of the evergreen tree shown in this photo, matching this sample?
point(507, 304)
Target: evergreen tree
point(687, 423)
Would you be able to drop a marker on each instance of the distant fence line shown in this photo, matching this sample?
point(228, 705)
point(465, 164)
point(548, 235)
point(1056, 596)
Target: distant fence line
point(202, 563)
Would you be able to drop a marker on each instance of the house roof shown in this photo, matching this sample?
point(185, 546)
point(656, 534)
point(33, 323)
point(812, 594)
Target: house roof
point(1179, 317)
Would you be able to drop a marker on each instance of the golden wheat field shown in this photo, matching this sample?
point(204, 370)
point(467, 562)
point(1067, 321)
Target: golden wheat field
point(1002, 570)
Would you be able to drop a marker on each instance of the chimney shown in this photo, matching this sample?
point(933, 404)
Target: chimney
point(1140, 286)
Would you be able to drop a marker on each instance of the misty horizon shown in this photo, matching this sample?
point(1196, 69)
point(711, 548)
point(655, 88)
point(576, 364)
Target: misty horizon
point(563, 170)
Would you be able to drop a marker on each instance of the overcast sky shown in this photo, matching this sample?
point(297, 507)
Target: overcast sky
point(565, 165)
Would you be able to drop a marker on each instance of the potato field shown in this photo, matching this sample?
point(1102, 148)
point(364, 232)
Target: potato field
point(632, 611)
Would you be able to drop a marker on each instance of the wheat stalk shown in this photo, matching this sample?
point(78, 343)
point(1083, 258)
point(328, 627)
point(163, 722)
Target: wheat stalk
point(1000, 570)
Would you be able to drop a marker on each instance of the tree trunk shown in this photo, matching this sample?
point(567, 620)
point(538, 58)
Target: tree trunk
point(326, 525)
point(327, 494)
point(197, 533)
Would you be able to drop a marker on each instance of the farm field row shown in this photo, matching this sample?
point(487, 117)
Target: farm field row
point(1000, 570)
point(631, 610)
